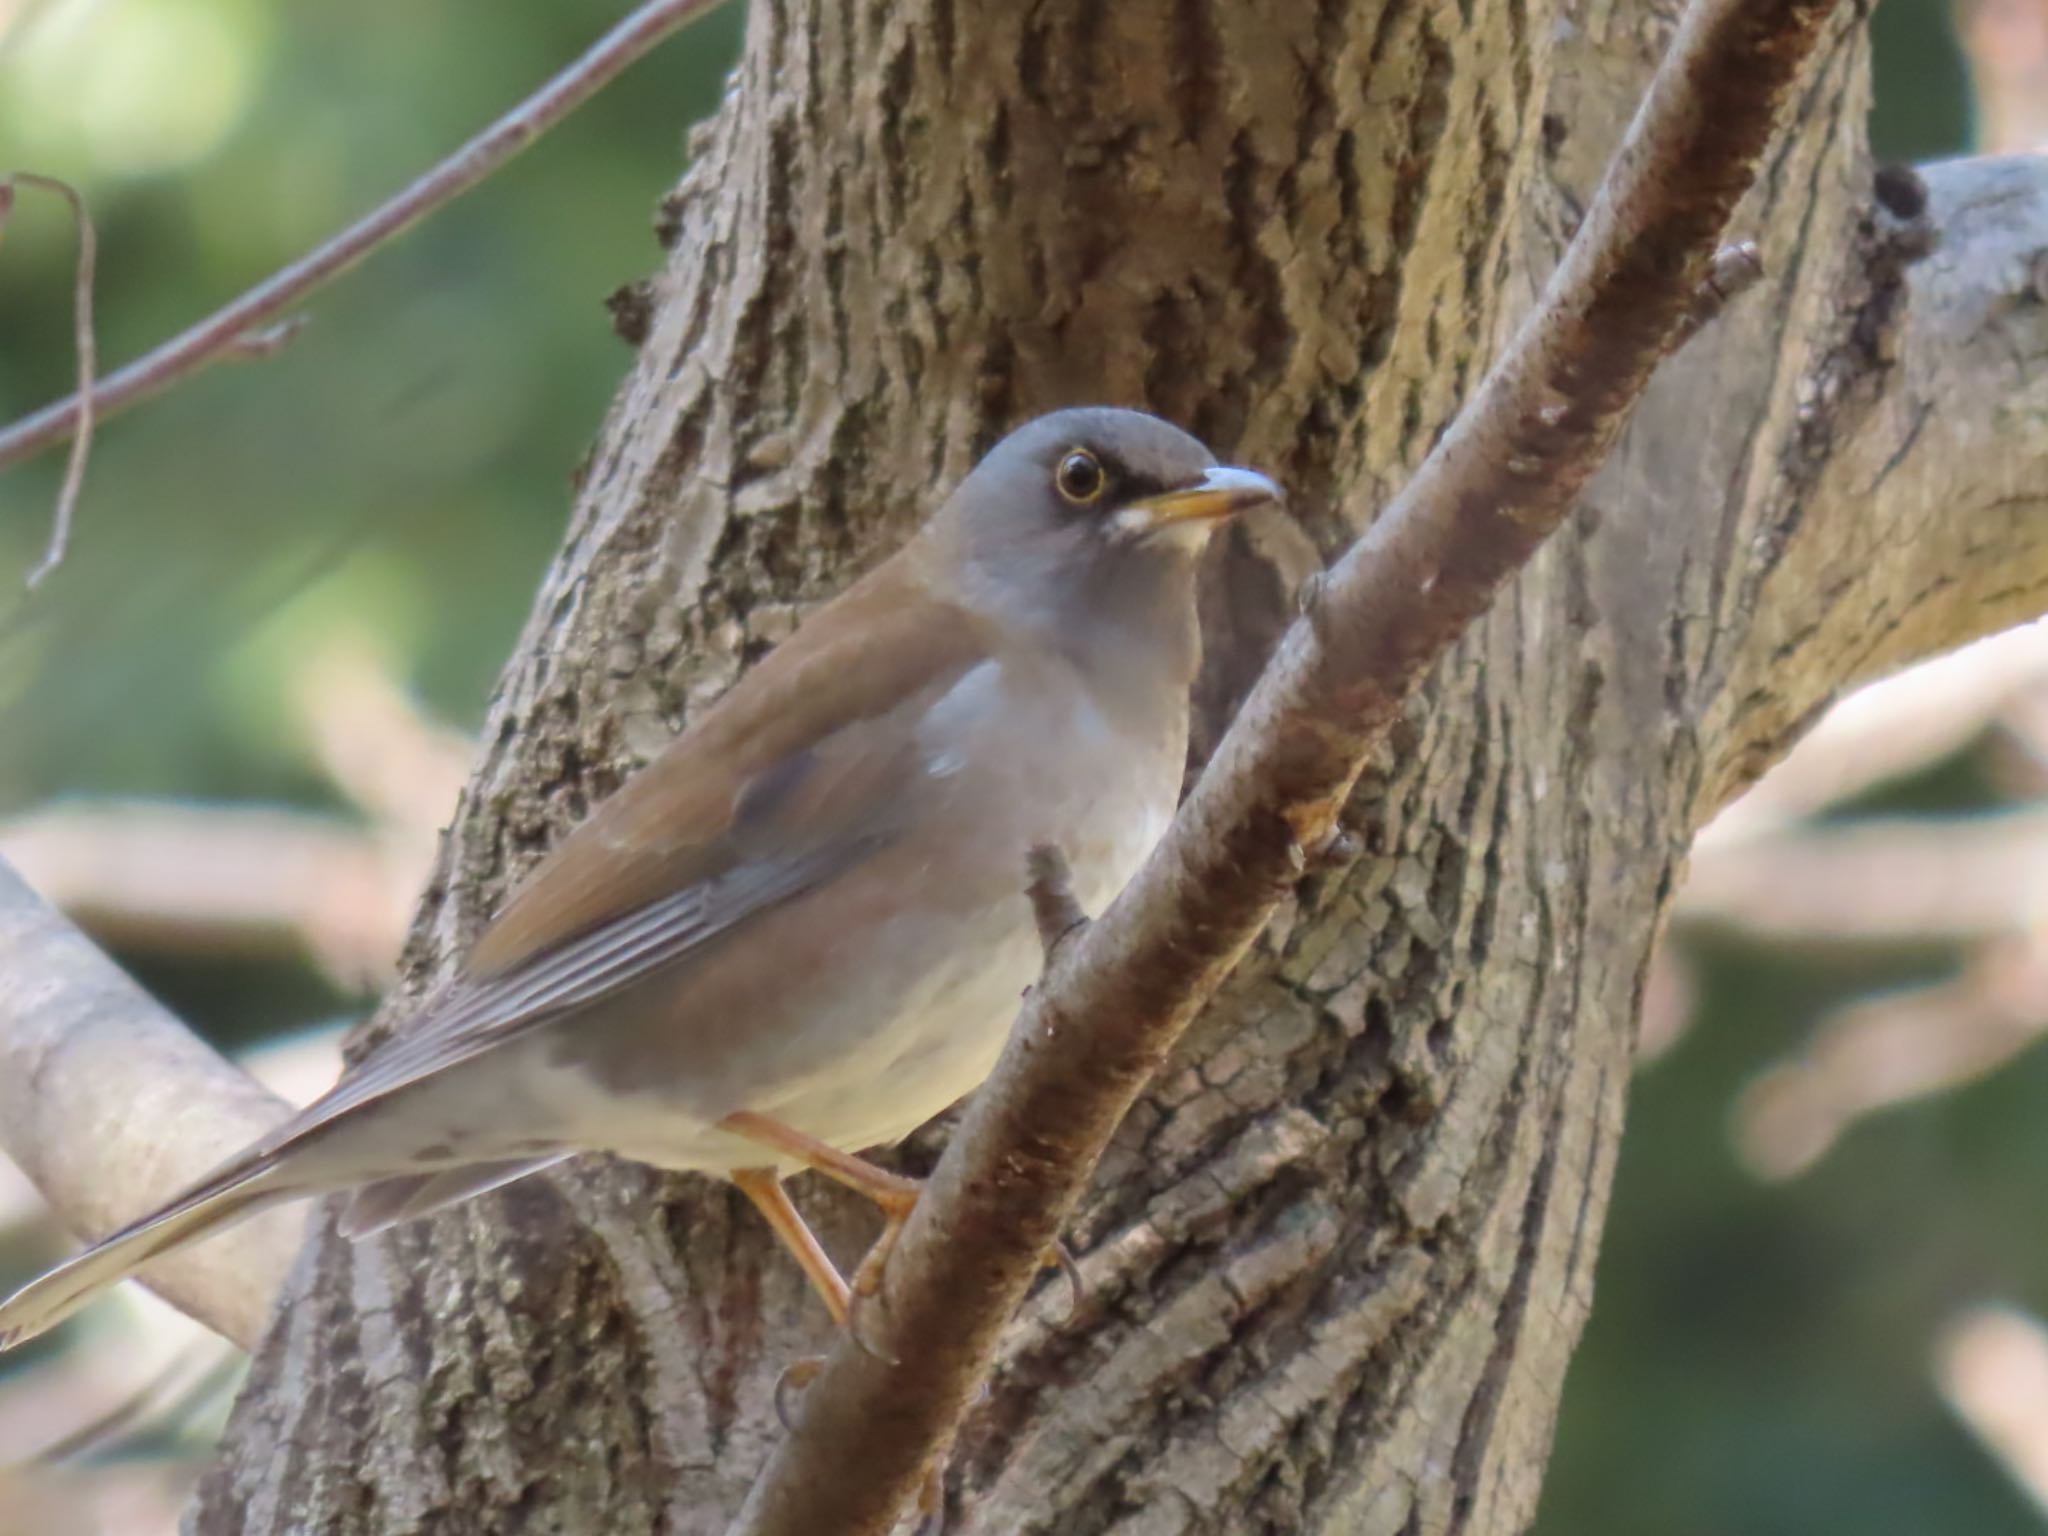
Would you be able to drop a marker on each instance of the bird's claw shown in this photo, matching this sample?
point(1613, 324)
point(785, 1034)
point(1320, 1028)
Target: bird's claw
point(796, 1376)
point(1059, 1256)
point(867, 1280)
point(856, 1309)
point(931, 1500)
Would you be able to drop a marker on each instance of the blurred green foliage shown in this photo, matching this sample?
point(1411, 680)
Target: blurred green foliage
point(1757, 1361)
point(403, 465)
point(1920, 83)
point(400, 469)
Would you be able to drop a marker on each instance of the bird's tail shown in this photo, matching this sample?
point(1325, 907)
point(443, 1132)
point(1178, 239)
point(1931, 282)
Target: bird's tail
point(241, 1188)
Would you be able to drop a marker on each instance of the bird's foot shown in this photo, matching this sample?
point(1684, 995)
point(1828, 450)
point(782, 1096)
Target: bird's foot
point(895, 1193)
point(897, 1198)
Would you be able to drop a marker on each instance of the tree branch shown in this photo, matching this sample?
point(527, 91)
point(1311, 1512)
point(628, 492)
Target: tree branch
point(1115, 1000)
point(234, 879)
point(1991, 1363)
point(1887, 730)
point(111, 1106)
point(235, 330)
point(1877, 880)
point(1920, 527)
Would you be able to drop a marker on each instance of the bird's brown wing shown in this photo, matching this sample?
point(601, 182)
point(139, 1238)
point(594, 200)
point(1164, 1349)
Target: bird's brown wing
point(886, 640)
point(803, 771)
point(809, 766)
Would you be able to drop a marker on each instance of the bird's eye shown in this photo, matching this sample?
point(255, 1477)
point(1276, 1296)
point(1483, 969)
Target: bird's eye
point(1080, 478)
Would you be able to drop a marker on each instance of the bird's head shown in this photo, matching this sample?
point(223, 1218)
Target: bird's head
point(1092, 515)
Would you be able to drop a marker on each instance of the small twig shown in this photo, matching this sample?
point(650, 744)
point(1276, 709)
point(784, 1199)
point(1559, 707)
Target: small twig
point(1734, 270)
point(266, 340)
point(223, 333)
point(87, 352)
point(1050, 885)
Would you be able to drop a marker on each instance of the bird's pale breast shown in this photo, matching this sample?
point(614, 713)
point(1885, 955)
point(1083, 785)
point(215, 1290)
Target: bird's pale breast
point(864, 1008)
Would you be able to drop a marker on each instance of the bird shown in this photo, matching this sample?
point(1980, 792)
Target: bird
point(802, 929)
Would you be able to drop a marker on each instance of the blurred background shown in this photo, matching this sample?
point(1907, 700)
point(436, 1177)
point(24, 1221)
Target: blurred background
point(231, 726)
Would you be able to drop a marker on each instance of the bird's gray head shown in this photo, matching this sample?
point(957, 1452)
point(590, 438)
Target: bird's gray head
point(1084, 525)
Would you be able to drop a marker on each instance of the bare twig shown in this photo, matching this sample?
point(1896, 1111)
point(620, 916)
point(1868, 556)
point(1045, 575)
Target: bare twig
point(1499, 481)
point(1734, 270)
point(266, 340)
point(1050, 885)
point(84, 346)
point(227, 331)
point(1878, 880)
point(1892, 1049)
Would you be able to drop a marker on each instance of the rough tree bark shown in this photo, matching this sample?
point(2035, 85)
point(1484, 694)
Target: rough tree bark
point(1338, 1260)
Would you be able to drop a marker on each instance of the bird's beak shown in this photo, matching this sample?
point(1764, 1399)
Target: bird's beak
point(1221, 492)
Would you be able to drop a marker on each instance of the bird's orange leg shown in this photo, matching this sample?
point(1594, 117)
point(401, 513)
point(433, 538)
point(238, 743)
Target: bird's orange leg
point(895, 1194)
point(764, 1187)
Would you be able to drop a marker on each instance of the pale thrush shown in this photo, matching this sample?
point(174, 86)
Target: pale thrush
point(802, 930)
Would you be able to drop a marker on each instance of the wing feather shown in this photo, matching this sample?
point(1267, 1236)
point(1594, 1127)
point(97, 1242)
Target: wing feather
point(478, 1016)
point(888, 639)
point(781, 787)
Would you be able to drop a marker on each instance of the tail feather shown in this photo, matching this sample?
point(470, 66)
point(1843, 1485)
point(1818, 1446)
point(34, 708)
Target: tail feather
point(238, 1190)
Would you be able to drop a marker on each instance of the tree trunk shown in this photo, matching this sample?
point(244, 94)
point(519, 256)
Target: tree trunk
point(1337, 1261)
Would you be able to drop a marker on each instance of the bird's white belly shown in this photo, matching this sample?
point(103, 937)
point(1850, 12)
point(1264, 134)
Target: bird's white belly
point(945, 1039)
point(932, 1053)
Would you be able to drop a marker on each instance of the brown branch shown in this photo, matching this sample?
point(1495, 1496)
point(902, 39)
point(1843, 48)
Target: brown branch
point(1117, 997)
point(87, 352)
point(235, 330)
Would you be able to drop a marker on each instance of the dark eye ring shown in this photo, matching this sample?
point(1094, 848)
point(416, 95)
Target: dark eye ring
point(1080, 478)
